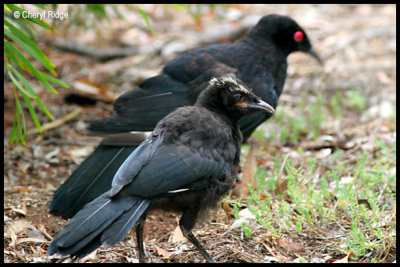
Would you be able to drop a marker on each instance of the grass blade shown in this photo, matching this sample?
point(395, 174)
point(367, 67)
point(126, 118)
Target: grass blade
point(21, 25)
point(178, 6)
point(19, 112)
point(54, 80)
point(45, 110)
point(21, 89)
point(26, 39)
point(10, 55)
point(32, 112)
point(146, 19)
point(23, 80)
point(14, 130)
point(29, 66)
point(30, 50)
point(39, 22)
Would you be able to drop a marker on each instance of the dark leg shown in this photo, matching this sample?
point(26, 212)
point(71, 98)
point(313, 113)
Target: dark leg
point(139, 237)
point(187, 223)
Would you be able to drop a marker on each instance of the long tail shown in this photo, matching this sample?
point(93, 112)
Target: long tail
point(91, 179)
point(102, 220)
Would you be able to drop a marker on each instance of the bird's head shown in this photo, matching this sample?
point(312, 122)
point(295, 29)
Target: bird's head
point(231, 96)
point(285, 33)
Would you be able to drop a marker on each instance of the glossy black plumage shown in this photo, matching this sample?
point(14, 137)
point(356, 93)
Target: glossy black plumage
point(259, 60)
point(186, 164)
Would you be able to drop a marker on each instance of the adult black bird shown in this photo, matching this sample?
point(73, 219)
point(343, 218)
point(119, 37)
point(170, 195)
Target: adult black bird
point(187, 163)
point(259, 60)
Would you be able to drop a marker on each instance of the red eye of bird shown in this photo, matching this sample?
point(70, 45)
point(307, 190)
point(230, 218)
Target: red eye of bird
point(298, 36)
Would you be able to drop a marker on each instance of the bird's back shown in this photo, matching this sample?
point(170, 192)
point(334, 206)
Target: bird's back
point(262, 68)
point(201, 129)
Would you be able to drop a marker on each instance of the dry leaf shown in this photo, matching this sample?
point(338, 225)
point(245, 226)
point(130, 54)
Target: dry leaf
point(249, 167)
point(86, 86)
point(21, 189)
point(225, 206)
point(344, 260)
point(177, 236)
point(281, 186)
point(291, 245)
point(163, 252)
point(279, 180)
point(19, 211)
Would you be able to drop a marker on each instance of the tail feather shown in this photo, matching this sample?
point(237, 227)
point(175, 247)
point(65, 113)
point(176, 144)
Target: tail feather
point(84, 233)
point(91, 179)
point(94, 244)
point(117, 231)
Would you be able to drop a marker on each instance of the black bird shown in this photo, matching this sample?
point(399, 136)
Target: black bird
point(187, 163)
point(259, 60)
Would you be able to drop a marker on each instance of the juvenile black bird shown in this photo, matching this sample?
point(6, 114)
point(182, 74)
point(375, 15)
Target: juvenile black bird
point(186, 164)
point(259, 60)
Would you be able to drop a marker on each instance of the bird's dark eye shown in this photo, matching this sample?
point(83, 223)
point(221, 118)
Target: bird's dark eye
point(238, 96)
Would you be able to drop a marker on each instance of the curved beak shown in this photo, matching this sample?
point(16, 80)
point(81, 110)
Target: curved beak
point(261, 105)
point(315, 55)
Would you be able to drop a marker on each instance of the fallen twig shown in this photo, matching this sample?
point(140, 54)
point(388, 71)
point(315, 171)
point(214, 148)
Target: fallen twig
point(56, 123)
point(101, 54)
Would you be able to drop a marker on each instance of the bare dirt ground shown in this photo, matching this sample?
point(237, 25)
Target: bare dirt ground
point(357, 44)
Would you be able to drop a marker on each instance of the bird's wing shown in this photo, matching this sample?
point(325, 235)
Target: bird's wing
point(179, 84)
point(140, 109)
point(196, 68)
point(191, 65)
point(134, 163)
point(155, 168)
point(160, 87)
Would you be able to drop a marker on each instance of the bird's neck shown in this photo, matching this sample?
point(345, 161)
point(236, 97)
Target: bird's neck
point(224, 114)
point(266, 43)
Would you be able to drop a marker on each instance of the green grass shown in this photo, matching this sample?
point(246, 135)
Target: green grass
point(356, 100)
point(315, 206)
point(306, 123)
point(312, 114)
point(350, 201)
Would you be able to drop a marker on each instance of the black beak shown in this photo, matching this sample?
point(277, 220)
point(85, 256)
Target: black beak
point(261, 105)
point(315, 55)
